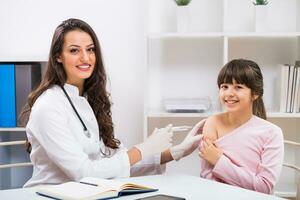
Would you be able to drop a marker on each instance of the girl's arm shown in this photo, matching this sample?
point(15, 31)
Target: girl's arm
point(210, 128)
point(267, 171)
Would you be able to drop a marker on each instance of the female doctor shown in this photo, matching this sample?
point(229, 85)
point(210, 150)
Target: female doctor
point(69, 125)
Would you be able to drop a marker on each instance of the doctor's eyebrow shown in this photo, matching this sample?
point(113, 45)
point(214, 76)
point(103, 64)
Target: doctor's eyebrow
point(78, 46)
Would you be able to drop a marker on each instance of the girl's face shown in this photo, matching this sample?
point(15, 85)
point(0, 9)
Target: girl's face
point(78, 56)
point(236, 97)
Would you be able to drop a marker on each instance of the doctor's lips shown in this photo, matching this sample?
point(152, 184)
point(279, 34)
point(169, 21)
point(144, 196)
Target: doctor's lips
point(84, 67)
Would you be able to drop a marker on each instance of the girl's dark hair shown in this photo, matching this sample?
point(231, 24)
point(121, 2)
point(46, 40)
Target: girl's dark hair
point(248, 73)
point(94, 86)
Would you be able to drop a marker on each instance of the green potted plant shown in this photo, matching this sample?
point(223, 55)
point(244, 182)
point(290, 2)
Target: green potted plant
point(183, 18)
point(261, 15)
point(182, 2)
point(260, 2)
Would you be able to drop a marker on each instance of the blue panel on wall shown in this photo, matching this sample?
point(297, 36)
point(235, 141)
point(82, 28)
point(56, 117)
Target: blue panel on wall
point(7, 96)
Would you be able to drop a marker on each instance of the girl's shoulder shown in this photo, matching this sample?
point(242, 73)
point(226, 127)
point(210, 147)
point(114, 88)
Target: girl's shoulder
point(210, 129)
point(216, 117)
point(271, 129)
point(216, 120)
point(262, 122)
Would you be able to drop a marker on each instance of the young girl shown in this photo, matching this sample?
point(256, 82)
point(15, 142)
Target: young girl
point(239, 146)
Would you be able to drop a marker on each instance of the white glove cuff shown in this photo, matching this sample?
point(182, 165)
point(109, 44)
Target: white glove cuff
point(143, 151)
point(176, 153)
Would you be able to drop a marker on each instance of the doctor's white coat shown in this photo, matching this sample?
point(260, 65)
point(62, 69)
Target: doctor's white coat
point(62, 152)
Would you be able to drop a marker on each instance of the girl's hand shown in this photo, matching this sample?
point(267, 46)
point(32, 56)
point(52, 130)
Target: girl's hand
point(210, 152)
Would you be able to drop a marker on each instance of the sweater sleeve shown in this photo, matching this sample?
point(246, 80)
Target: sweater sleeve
point(264, 177)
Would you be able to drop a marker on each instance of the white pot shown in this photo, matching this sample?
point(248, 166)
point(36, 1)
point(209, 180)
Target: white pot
point(183, 19)
point(261, 15)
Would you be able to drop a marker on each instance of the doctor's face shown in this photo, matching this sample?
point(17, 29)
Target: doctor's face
point(78, 56)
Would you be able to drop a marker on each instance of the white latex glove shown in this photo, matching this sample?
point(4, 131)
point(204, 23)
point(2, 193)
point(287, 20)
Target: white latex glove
point(190, 142)
point(159, 141)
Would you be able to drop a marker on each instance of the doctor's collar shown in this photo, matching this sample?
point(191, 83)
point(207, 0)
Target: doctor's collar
point(73, 90)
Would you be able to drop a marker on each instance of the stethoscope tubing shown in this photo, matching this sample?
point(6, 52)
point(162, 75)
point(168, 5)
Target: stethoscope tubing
point(85, 130)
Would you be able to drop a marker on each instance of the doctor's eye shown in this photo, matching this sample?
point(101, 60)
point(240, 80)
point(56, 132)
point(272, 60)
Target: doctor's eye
point(74, 51)
point(91, 49)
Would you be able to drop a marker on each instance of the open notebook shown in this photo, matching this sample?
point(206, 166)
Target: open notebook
point(91, 188)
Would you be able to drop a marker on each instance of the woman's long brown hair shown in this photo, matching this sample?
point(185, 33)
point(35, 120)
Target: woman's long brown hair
point(246, 72)
point(94, 86)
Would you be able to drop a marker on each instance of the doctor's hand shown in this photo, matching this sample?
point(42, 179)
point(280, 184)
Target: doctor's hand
point(159, 141)
point(210, 152)
point(190, 142)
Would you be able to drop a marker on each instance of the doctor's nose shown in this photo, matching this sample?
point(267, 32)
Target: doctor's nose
point(84, 56)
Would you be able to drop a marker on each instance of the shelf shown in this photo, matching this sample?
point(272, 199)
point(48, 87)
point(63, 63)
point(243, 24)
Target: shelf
point(223, 34)
point(185, 115)
point(202, 115)
point(283, 115)
point(265, 34)
point(186, 35)
point(15, 129)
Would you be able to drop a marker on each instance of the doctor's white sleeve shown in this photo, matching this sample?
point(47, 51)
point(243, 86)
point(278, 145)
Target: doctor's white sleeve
point(148, 166)
point(52, 132)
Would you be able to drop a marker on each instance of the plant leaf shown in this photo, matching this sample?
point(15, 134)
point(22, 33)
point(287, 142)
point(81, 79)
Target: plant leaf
point(182, 2)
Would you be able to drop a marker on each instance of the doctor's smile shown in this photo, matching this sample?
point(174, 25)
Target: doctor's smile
point(84, 67)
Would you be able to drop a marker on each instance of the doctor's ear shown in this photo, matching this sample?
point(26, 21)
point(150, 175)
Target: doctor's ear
point(58, 59)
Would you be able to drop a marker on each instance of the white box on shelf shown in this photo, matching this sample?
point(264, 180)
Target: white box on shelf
point(195, 105)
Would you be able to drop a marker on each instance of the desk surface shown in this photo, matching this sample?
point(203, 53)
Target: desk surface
point(190, 187)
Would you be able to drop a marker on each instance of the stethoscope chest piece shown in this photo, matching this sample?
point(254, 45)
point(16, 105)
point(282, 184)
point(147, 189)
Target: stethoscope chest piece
point(87, 133)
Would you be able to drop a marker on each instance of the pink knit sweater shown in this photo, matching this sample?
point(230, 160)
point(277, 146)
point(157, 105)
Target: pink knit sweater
point(252, 159)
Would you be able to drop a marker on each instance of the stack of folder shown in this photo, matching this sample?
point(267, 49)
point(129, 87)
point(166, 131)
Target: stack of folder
point(16, 82)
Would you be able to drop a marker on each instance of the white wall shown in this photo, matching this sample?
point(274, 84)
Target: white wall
point(26, 31)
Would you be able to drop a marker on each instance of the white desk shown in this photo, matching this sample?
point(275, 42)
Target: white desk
point(190, 187)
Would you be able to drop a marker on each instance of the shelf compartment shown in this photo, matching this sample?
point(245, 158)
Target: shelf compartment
point(205, 16)
point(239, 16)
point(268, 53)
point(176, 69)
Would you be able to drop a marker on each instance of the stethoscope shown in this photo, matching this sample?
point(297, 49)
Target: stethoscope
point(85, 130)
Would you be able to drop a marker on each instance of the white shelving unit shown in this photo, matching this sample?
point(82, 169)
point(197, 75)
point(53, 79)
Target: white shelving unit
point(13, 177)
point(186, 65)
point(15, 129)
